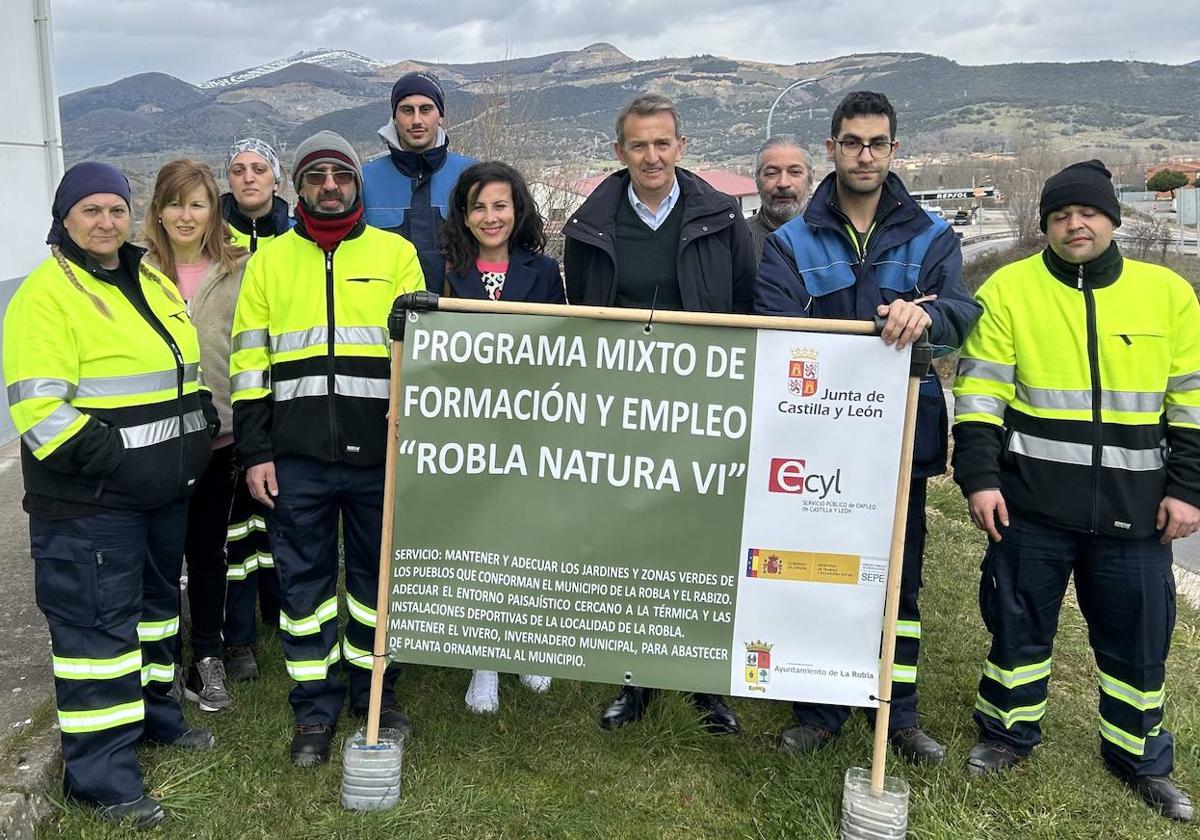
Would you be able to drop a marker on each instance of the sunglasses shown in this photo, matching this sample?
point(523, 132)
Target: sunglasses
point(341, 177)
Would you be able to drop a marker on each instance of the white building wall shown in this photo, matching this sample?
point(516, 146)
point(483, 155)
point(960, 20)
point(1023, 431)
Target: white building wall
point(30, 148)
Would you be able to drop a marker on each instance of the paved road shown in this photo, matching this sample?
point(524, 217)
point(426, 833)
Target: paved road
point(25, 676)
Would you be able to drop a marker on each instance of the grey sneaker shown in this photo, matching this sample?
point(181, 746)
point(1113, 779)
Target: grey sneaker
point(206, 685)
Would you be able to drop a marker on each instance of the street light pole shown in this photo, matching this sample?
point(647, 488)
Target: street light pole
point(796, 84)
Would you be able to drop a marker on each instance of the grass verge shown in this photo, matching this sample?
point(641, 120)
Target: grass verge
point(542, 768)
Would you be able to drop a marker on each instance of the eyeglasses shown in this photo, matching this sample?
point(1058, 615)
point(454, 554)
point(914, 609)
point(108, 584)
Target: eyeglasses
point(316, 178)
point(880, 149)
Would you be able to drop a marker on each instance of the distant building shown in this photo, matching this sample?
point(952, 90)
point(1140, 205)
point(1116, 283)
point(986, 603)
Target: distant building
point(1190, 168)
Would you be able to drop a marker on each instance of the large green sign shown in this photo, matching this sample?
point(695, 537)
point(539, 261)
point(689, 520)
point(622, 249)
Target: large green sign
point(571, 499)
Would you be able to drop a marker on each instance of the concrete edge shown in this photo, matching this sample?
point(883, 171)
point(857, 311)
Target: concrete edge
point(1187, 584)
point(27, 776)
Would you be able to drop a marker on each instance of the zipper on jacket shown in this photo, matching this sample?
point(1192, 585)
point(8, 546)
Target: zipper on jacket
point(1093, 350)
point(331, 360)
point(253, 235)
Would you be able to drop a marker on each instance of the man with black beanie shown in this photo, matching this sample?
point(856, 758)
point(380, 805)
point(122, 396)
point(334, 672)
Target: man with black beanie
point(407, 190)
point(1077, 445)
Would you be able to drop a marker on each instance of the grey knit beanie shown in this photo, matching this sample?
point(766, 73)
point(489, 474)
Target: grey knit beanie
point(325, 147)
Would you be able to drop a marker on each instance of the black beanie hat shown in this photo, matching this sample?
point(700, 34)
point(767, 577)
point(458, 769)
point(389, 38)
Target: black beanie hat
point(80, 181)
point(421, 84)
point(1087, 183)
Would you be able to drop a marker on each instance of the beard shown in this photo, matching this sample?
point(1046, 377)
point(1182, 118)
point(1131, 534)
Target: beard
point(780, 209)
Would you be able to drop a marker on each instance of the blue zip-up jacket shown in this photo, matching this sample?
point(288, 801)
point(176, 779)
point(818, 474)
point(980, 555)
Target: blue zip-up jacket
point(409, 194)
point(811, 268)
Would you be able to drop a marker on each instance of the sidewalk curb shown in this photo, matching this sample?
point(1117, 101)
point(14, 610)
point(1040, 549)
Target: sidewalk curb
point(28, 773)
point(1187, 584)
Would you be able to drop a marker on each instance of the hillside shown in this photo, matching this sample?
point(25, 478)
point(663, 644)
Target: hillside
point(558, 108)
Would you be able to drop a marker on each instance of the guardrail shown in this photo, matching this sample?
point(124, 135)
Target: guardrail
point(987, 237)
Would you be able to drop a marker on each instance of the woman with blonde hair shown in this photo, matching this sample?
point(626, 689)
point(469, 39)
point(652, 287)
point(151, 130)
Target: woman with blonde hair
point(187, 240)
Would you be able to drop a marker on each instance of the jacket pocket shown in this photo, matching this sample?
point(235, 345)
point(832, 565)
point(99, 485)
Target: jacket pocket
point(65, 578)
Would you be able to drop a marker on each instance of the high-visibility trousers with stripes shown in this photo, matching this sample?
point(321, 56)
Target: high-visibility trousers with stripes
point(250, 571)
point(108, 585)
point(303, 528)
point(908, 632)
point(1126, 591)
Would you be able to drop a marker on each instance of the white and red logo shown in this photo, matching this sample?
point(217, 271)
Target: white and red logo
point(790, 475)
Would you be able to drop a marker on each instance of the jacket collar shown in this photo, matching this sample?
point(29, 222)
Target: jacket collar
point(273, 223)
point(517, 281)
point(129, 254)
point(895, 204)
point(1100, 272)
point(415, 164)
point(699, 199)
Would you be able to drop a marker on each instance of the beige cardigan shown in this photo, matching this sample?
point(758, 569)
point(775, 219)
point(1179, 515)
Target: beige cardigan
point(211, 310)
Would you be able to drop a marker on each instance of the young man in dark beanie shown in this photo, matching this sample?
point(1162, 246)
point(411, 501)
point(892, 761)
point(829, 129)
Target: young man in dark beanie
point(408, 189)
point(310, 370)
point(1077, 445)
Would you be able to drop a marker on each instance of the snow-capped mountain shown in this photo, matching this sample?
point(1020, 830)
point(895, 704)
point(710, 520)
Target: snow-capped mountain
point(344, 60)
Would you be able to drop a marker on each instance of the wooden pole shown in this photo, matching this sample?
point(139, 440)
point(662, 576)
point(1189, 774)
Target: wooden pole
point(891, 607)
point(644, 316)
point(382, 599)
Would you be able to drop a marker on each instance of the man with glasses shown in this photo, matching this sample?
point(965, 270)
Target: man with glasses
point(864, 248)
point(310, 370)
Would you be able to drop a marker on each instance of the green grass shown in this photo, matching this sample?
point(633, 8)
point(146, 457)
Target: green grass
point(542, 768)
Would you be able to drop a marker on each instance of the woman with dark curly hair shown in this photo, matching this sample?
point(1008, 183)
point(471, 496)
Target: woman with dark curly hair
point(494, 237)
point(493, 241)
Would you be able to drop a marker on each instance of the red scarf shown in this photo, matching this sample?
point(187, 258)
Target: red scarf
point(328, 231)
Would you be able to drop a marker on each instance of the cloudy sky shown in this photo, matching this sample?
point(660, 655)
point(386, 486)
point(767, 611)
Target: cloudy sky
point(99, 41)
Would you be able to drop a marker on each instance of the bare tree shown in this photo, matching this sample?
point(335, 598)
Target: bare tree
point(1035, 162)
point(1145, 234)
point(501, 123)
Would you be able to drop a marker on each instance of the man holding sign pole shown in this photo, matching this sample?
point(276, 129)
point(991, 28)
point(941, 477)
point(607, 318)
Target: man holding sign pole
point(655, 236)
point(864, 249)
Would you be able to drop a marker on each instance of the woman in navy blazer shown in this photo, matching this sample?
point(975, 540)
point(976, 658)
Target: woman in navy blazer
point(493, 240)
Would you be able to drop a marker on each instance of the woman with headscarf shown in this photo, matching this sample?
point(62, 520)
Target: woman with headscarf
point(102, 366)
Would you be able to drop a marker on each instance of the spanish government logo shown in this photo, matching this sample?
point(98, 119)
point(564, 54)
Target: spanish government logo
point(802, 372)
point(758, 665)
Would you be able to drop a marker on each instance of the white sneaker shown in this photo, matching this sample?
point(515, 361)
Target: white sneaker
point(483, 694)
point(536, 683)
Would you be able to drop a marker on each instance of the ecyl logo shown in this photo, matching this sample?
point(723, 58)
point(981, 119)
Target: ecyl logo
point(789, 475)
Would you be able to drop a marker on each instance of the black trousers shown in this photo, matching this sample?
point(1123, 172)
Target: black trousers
point(250, 576)
point(908, 632)
point(1126, 591)
point(204, 550)
point(108, 585)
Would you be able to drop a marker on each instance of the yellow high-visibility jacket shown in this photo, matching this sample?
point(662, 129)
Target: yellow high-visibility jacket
point(110, 406)
point(311, 359)
point(1078, 392)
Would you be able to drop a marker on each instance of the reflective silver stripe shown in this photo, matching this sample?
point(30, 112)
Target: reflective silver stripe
point(305, 386)
point(979, 404)
point(318, 336)
point(1147, 402)
point(28, 389)
point(361, 386)
point(1189, 414)
point(53, 425)
point(1062, 452)
point(979, 369)
point(299, 339)
point(247, 380)
point(141, 383)
point(318, 386)
point(160, 431)
point(249, 340)
point(1185, 382)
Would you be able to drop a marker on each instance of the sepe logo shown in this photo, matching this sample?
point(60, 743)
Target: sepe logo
point(789, 475)
point(802, 372)
point(758, 665)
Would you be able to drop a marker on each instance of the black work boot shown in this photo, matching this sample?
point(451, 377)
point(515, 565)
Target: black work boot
point(240, 663)
point(804, 739)
point(310, 744)
point(144, 812)
point(1161, 794)
point(715, 715)
point(989, 757)
point(628, 707)
point(915, 746)
point(389, 718)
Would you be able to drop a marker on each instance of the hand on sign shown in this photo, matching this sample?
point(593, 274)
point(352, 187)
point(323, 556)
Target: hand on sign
point(987, 508)
point(1176, 519)
point(261, 480)
point(905, 321)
